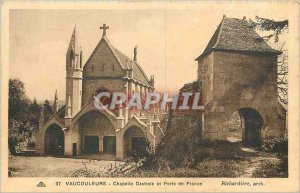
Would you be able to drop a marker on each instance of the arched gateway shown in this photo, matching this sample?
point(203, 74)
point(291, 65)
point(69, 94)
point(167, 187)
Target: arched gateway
point(245, 125)
point(54, 140)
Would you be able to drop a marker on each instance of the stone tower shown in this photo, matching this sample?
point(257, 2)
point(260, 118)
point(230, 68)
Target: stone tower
point(238, 74)
point(74, 77)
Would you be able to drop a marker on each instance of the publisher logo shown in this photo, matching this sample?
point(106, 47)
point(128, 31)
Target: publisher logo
point(41, 184)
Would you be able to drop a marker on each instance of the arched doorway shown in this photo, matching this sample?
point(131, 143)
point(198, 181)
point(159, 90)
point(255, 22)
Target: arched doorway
point(135, 142)
point(245, 125)
point(97, 134)
point(54, 140)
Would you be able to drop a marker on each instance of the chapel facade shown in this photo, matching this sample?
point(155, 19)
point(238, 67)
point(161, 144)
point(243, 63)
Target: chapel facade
point(79, 128)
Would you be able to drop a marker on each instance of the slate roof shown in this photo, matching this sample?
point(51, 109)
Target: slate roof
point(125, 62)
point(128, 63)
point(237, 35)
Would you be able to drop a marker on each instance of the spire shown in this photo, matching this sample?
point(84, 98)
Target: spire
point(55, 103)
point(73, 45)
point(152, 80)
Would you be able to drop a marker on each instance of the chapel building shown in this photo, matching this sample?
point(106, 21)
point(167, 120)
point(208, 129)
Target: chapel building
point(79, 128)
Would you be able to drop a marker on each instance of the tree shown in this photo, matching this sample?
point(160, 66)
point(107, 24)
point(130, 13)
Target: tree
point(275, 27)
point(18, 112)
point(23, 114)
point(274, 30)
point(48, 111)
point(18, 103)
point(35, 110)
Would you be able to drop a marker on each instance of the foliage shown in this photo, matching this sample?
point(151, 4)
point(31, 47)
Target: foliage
point(190, 154)
point(18, 103)
point(207, 168)
point(35, 110)
point(282, 76)
point(183, 146)
point(48, 111)
point(276, 145)
point(275, 27)
point(23, 114)
point(270, 169)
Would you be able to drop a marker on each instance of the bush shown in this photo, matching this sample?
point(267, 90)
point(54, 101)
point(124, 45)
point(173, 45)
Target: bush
point(276, 145)
point(207, 168)
point(31, 145)
point(217, 168)
point(189, 154)
point(269, 169)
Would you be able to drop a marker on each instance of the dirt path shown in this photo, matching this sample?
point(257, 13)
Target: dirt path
point(254, 162)
point(22, 166)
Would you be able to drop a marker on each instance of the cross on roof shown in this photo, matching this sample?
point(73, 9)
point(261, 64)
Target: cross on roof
point(104, 27)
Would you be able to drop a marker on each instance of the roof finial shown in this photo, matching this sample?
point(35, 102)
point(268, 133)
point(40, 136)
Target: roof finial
point(135, 53)
point(104, 27)
point(244, 18)
point(55, 103)
point(224, 16)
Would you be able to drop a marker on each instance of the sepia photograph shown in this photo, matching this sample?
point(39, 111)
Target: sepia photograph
point(150, 93)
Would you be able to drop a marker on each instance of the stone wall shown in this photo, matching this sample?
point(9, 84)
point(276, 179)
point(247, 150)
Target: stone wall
point(205, 75)
point(101, 71)
point(242, 81)
point(89, 87)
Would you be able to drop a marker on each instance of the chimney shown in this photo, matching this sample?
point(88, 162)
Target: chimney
point(244, 18)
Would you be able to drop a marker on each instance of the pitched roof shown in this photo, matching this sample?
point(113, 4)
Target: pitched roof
point(125, 62)
point(237, 35)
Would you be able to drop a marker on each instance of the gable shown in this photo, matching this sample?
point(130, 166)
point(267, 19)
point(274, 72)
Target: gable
point(102, 62)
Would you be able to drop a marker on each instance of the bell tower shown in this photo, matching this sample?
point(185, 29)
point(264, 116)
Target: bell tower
point(74, 77)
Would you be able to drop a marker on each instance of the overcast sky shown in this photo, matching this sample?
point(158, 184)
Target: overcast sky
point(168, 41)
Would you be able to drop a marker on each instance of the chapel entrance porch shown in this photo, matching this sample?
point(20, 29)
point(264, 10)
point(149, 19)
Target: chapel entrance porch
point(54, 140)
point(97, 134)
point(135, 143)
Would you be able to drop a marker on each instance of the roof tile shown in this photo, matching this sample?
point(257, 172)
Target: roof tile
point(237, 35)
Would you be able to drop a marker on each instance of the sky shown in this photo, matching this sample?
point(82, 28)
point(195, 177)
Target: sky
point(168, 41)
